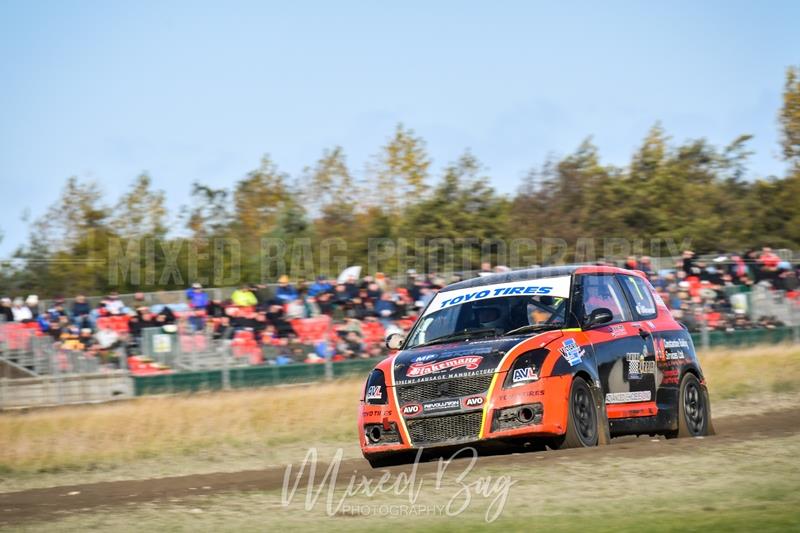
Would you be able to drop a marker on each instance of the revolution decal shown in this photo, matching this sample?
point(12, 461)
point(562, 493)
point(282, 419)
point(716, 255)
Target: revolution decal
point(536, 287)
point(440, 405)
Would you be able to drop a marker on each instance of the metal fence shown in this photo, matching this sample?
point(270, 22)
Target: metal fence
point(64, 384)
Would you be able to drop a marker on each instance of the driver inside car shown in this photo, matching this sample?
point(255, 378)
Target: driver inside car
point(541, 313)
point(489, 316)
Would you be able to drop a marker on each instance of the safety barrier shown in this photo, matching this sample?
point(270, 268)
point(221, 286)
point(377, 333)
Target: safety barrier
point(261, 376)
point(253, 376)
point(747, 337)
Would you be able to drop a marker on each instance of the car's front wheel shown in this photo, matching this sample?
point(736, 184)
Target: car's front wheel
point(582, 426)
point(694, 413)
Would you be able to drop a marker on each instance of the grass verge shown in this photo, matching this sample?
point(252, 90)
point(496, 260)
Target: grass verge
point(158, 436)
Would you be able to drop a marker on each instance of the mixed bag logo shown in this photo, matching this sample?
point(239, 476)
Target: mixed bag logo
point(470, 362)
point(472, 401)
point(524, 374)
point(572, 352)
point(374, 392)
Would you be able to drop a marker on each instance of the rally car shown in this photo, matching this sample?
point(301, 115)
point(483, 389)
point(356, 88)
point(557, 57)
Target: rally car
point(566, 356)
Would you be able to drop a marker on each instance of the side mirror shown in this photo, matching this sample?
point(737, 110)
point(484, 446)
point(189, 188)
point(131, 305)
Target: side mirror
point(599, 316)
point(395, 341)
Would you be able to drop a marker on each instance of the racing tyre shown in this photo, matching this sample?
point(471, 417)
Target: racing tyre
point(582, 419)
point(694, 413)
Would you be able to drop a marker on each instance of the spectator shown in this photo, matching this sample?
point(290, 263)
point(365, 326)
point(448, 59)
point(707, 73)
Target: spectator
point(20, 311)
point(285, 292)
point(32, 303)
point(385, 309)
point(6, 314)
point(319, 286)
point(244, 297)
point(81, 309)
point(113, 304)
point(165, 316)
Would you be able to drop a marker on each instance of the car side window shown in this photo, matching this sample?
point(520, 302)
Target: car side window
point(640, 295)
point(599, 291)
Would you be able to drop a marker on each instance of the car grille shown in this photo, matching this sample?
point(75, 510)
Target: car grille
point(445, 428)
point(450, 388)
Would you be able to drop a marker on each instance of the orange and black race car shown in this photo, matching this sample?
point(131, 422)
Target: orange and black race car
point(567, 356)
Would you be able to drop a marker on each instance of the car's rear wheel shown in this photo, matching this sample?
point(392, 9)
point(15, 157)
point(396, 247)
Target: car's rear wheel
point(694, 413)
point(582, 421)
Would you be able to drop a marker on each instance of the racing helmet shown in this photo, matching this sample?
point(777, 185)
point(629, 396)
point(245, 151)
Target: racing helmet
point(488, 315)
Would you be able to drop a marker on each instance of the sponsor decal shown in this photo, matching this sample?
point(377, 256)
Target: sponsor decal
point(472, 401)
point(617, 330)
point(470, 362)
point(645, 309)
point(669, 377)
point(524, 374)
point(673, 349)
point(676, 343)
point(519, 396)
point(412, 409)
point(442, 405)
point(423, 358)
point(651, 325)
point(378, 412)
point(374, 392)
point(557, 286)
point(500, 291)
point(625, 397)
point(428, 378)
point(638, 366)
point(661, 352)
point(572, 352)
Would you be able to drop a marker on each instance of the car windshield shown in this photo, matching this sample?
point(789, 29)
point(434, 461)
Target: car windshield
point(493, 310)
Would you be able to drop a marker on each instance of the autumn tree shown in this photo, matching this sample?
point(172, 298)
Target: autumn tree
point(790, 117)
point(400, 171)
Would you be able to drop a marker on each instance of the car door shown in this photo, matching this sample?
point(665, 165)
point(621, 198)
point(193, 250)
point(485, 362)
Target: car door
point(643, 307)
point(620, 348)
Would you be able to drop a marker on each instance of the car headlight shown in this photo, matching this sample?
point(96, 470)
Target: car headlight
point(375, 391)
point(525, 369)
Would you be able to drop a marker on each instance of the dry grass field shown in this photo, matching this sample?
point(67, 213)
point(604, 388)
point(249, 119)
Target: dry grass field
point(158, 436)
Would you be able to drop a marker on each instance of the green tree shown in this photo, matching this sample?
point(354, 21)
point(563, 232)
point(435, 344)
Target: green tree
point(401, 170)
point(463, 206)
point(141, 212)
point(790, 117)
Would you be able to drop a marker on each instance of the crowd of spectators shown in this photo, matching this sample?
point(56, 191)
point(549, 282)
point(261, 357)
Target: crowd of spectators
point(362, 311)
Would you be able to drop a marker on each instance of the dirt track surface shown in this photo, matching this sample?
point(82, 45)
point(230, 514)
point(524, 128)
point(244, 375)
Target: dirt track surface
point(55, 502)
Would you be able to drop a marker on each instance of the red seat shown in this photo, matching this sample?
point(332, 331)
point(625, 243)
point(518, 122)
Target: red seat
point(311, 330)
point(373, 332)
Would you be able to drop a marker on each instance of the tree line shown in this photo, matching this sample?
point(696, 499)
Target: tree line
point(689, 191)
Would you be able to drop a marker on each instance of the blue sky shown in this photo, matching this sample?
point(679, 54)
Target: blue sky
point(199, 91)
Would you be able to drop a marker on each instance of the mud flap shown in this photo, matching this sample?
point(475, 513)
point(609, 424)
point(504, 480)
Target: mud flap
point(710, 430)
point(603, 432)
